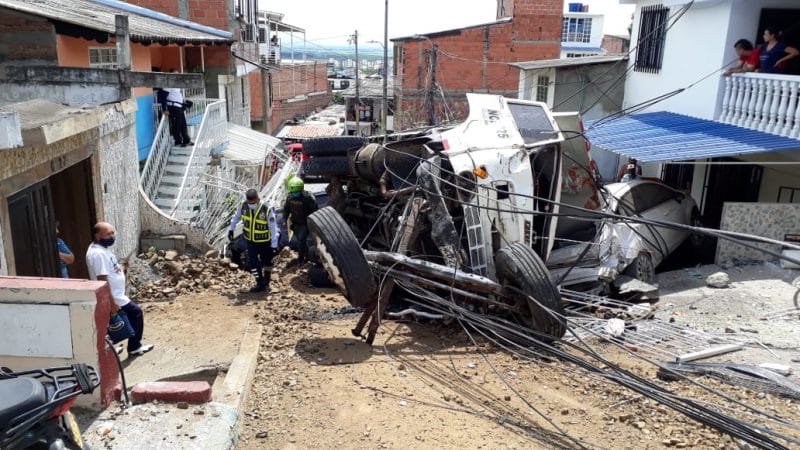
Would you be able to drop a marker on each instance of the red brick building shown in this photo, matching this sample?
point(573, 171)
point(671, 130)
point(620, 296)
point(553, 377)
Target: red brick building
point(472, 59)
point(616, 45)
point(298, 89)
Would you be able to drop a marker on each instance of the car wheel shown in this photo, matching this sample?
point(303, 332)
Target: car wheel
point(697, 239)
point(332, 146)
point(326, 166)
point(519, 266)
point(342, 257)
point(642, 268)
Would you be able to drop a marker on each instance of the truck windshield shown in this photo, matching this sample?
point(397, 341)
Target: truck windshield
point(533, 123)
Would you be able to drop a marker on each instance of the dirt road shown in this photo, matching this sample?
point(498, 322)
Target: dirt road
point(429, 385)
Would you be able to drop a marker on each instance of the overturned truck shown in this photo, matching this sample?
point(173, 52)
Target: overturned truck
point(469, 211)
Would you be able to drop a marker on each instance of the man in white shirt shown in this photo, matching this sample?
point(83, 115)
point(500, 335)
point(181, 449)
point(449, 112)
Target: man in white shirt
point(103, 265)
point(175, 105)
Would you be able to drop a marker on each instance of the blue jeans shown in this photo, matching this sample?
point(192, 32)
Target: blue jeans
point(136, 318)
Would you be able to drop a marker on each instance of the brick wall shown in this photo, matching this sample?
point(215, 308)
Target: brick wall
point(615, 45)
point(305, 84)
point(26, 38)
point(170, 7)
point(474, 60)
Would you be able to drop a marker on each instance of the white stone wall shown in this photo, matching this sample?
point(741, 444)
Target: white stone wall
point(119, 179)
point(156, 222)
point(770, 220)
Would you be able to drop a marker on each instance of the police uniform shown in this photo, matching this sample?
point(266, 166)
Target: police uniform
point(261, 234)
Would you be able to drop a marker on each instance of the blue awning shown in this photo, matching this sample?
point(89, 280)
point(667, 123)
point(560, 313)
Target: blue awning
point(567, 48)
point(666, 136)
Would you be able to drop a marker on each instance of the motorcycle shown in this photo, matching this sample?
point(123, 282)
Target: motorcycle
point(35, 406)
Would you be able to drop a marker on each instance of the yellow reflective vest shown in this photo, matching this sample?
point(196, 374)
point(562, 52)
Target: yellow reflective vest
point(256, 223)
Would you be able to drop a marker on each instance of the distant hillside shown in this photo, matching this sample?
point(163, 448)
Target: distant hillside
point(316, 52)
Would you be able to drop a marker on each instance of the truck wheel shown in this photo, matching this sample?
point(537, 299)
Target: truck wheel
point(342, 256)
point(332, 146)
point(318, 277)
point(519, 266)
point(326, 166)
point(642, 268)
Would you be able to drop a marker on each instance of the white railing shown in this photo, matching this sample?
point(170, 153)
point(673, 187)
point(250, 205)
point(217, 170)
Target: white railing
point(211, 137)
point(156, 160)
point(193, 93)
point(241, 116)
point(764, 102)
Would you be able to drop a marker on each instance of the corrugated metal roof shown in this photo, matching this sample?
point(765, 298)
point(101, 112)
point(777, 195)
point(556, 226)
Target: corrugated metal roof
point(666, 136)
point(568, 62)
point(145, 26)
point(370, 88)
point(246, 144)
point(309, 131)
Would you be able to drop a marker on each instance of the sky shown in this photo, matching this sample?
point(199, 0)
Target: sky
point(331, 22)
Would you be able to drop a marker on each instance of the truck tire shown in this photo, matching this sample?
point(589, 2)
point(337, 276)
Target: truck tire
point(325, 166)
point(519, 266)
point(342, 257)
point(332, 146)
point(318, 277)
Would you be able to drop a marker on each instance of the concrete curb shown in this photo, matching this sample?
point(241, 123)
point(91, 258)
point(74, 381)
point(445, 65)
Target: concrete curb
point(236, 385)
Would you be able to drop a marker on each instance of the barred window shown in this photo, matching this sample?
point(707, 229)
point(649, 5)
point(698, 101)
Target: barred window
point(103, 57)
point(542, 88)
point(652, 34)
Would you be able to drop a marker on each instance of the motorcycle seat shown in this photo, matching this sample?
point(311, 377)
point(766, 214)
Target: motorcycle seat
point(19, 395)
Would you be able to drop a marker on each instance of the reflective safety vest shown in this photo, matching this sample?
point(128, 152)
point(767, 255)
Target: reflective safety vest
point(256, 223)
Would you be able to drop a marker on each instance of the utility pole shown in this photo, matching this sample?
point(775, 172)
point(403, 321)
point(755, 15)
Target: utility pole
point(266, 84)
point(432, 89)
point(385, 106)
point(354, 39)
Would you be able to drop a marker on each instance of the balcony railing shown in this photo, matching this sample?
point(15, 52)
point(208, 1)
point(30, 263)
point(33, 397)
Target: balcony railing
point(764, 102)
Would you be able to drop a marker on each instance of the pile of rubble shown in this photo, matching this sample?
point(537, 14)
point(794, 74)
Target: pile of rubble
point(164, 275)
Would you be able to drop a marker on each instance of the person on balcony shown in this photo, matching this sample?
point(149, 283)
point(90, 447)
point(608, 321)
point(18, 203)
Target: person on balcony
point(775, 55)
point(748, 57)
point(174, 106)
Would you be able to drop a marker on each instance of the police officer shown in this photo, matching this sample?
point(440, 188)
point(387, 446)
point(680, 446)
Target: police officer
point(299, 205)
point(261, 235)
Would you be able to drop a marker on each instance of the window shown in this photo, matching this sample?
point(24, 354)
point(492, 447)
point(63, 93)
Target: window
point(576, 29)
point(542, 88)
point(652, 32)
point(103, 57)
point(262, 35)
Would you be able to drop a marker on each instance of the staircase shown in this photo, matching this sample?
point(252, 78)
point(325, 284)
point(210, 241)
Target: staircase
point(171, 176)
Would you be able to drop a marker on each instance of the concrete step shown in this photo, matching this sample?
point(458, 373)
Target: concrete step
point(181, 151)
point(168, 191)
point(164, 203)
point(175, 169)
point(178, 159)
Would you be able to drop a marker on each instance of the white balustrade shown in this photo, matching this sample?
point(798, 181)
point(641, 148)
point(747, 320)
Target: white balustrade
point(766, 102)
point(156, 160)
point(211, 136)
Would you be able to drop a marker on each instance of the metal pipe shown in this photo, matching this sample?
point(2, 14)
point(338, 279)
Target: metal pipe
point(709, 352)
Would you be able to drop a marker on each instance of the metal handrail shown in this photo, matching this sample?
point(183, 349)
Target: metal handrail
point(211, 135)
point(156, 162)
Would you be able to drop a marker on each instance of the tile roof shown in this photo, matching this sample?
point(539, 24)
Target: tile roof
point(146, 26)
point(666, 136)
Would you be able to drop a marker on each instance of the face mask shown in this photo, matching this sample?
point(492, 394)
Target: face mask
point(297, 194)
point(252, 206)
point(106, 242)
